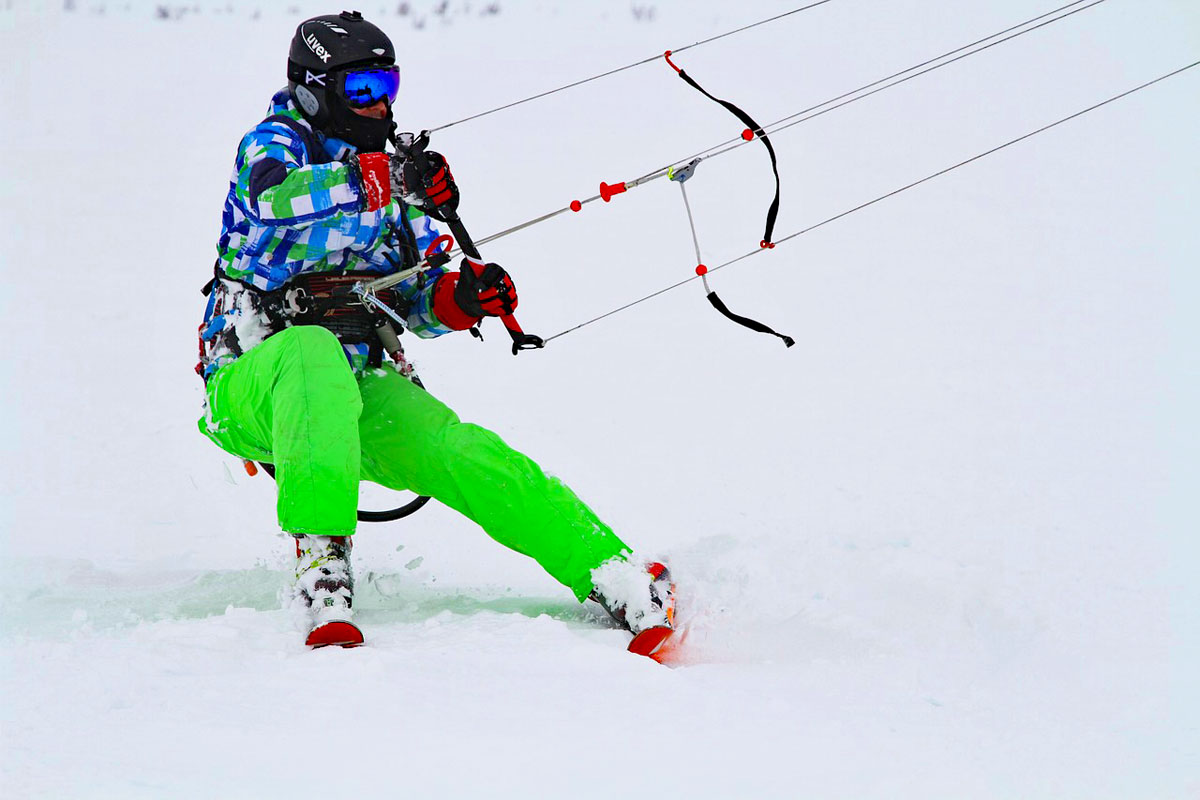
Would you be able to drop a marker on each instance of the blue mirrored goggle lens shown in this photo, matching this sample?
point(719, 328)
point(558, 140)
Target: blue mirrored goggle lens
point(366, 87)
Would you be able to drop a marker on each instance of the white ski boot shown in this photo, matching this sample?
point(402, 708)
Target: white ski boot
point(325, 586)
point(641, 598)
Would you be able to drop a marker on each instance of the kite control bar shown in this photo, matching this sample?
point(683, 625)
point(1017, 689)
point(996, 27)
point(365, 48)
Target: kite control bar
point(416, 151)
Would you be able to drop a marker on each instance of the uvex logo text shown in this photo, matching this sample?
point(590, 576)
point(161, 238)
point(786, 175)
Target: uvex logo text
point(315, 45)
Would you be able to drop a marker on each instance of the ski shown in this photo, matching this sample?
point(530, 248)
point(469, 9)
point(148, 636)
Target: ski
point(650, 642)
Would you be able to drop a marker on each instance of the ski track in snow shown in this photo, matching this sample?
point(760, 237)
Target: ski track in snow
point(942, 548)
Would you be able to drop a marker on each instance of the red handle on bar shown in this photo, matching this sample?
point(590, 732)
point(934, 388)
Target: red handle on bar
point(607, 191)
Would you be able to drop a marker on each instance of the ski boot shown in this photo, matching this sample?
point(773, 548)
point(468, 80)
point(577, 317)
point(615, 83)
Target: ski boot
point(641, 598)
point(325, 586)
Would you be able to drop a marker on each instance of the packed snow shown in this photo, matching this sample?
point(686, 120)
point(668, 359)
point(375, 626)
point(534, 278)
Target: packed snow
point(944, 547)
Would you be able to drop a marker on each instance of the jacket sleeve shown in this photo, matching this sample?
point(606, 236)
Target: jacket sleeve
point(418, 291)
point(276, 187)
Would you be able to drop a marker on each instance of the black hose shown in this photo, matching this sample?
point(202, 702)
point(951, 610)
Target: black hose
point(411, 507)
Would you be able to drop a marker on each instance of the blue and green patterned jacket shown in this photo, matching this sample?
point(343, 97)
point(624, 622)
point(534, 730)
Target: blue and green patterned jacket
point(294, 207)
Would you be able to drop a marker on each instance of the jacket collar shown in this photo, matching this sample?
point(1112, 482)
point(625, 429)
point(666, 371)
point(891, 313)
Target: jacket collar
point(337, 149)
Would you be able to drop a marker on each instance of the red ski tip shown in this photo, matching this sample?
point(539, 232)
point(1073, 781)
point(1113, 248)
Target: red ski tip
point(648, 642)
point(343, 634)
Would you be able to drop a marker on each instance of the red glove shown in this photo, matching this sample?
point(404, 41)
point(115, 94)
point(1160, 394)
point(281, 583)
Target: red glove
point(477, 291)
point(374, 179)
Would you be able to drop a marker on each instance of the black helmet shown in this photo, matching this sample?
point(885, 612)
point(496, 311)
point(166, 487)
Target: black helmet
point(324, 51)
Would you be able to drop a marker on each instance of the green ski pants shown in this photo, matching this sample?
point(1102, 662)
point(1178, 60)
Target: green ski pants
point(294, 401)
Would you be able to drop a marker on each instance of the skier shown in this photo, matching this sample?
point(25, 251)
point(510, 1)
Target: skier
point(292, 363)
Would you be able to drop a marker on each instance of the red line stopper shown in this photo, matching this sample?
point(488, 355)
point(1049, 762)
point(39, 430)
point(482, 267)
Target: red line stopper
point(250, 467)
point(748, 135)
point(606, 191)
point(701, 270)
point(576, 205)
point(667, 56)
point(765, 245)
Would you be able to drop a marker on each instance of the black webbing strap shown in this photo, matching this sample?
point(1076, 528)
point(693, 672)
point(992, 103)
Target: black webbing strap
point(753, 126)
point(752, 324)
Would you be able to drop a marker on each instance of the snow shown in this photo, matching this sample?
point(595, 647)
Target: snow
point(625, 587)
point(943, 547)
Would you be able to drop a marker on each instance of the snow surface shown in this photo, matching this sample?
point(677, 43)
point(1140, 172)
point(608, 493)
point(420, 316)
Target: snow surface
point(944, 547)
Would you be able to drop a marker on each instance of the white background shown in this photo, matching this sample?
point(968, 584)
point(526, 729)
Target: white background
point(945, 546)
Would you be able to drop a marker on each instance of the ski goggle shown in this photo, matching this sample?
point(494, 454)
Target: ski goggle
point(367, 86)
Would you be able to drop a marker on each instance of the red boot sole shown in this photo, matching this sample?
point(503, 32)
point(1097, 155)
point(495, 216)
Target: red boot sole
point(343, 634)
